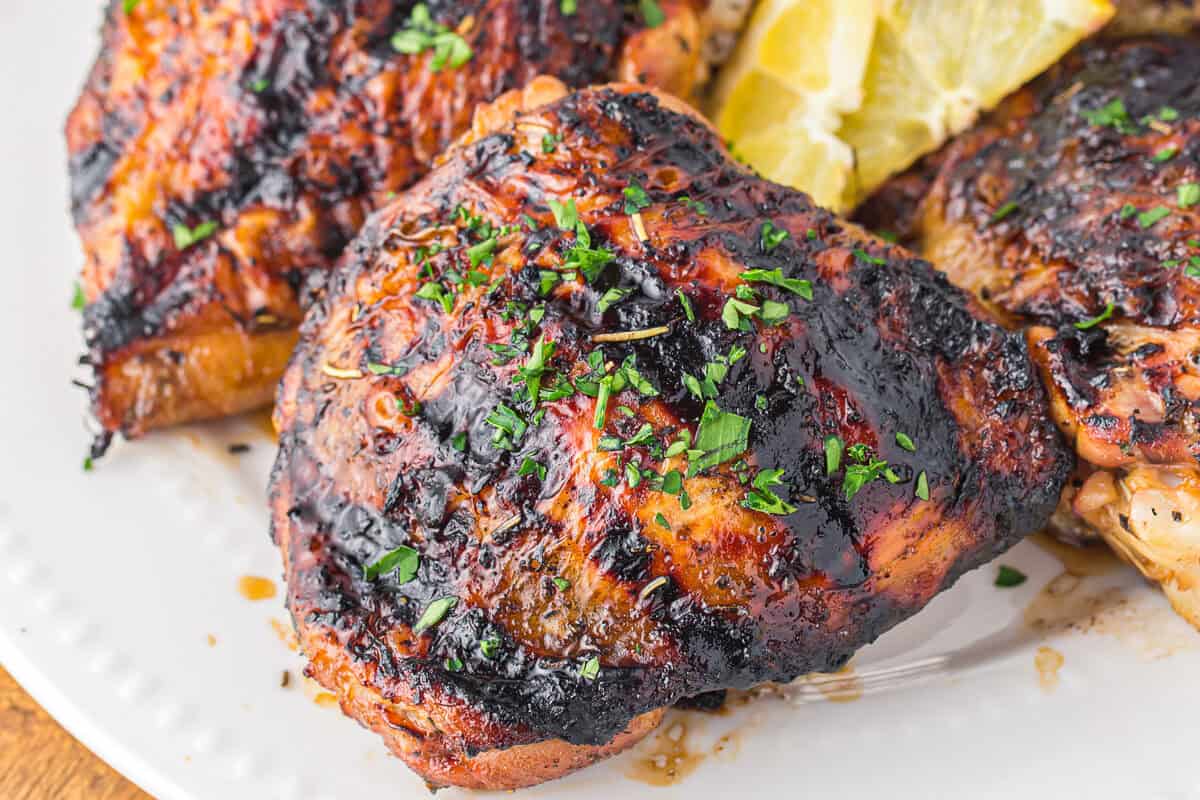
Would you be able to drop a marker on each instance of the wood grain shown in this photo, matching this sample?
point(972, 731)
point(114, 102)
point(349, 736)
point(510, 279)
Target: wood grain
point(41, 761)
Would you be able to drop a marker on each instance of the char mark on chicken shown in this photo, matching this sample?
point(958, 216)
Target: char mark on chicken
point(1074, 211)
point(577, 431)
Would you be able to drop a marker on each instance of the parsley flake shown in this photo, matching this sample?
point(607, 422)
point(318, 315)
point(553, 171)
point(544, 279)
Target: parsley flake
point(590, 669)
point(834, 447)
point(721, 437)
point(762, 498)
point(635, 198)
point(1147, 219)
point(905, 441)
point(1007, 577)
point(78, 299)
point(1005, 210)
point(1188, 194)
point(774, 277)
point(421, 33)
point(770, 237)
point(434, 613)
point(687, 305)
point(185, 237)
point(1096, 320)
point(403, 561)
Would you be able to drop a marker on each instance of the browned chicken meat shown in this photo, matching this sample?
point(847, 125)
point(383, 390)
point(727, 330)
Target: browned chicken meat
point(223, 149)
point(579, 429)
point(1137, 17)
point(1075, 210)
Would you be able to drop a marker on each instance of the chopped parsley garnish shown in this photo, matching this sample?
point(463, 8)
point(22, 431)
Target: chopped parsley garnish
point(482, 252)
point(489, 647)
point(863, 255)
point(1112, 115)
point(1168, 114)
point(1154, 215)
point(1128, 210)
point(421, 33)
point(566, 216)
point(672, 482)
point(185, 237)
point(453, 664)
point(403, 561)
point(1166, 154)
point(760, 402)
point(612, 297)
point(834, 447)
point(437, 292)
point(568, 7)
point(905, 441)
point(774, 312)
point(1188, 194)
point(604, 392)
point(562, 584)
point(1096, 320)
point(923, 486)
point(859, 475)
point(774, 277)
point(590, 669)
point(434, 613)
point(1007, 577)
point(78, 299)
point(1004, 210)
point(531, 467)
point(652, 14)
point(661, 520)
point(534, 368)
point(721, 437)
point(737, 313)
point(509, 425)
point(635, 198)
point(129, 5)
point(259, 85)
point(770, 237)
point(88, 464)
point(459, 441)
point(633, 475)
point(376, 368)
point(550, 142)
point(687, 305)
point(694, 205)
point(762, 498)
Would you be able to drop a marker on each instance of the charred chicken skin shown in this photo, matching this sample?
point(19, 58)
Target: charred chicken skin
point(1074, 210)
point(223, 149)
point(575, 432)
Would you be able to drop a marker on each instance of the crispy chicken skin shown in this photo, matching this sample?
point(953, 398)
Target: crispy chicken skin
point(1075, 210)
point(627, 542)
point(270, 129)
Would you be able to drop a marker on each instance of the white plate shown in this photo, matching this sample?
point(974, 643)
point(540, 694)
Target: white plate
point(111, 584)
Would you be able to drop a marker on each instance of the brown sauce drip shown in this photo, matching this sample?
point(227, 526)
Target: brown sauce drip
point(1048, 662)
point(665, 759)
point(1084, 562)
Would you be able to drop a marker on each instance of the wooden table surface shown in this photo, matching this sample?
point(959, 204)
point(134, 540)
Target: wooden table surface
point(41, 761)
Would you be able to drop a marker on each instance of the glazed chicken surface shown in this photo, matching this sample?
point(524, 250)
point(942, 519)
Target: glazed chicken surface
point(1074, 211)
point(223, 149)
point(579, 430)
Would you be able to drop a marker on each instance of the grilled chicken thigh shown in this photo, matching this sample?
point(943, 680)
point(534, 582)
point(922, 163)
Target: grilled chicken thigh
point(591, 420)
point(221, 149)
point(1075, 210)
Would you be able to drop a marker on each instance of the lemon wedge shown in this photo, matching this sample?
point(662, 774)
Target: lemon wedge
point(834, 96)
